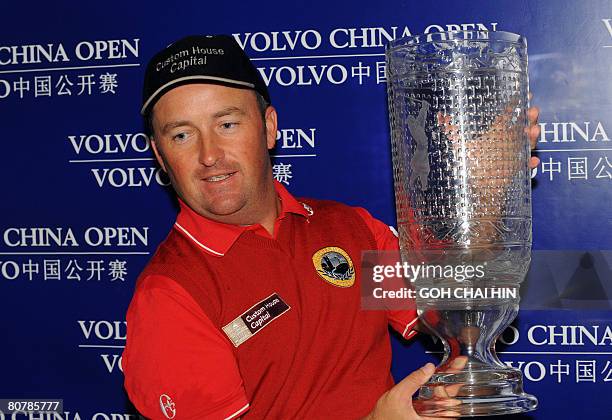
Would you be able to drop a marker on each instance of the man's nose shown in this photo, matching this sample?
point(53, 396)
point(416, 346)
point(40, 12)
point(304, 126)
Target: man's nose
point(210, 151)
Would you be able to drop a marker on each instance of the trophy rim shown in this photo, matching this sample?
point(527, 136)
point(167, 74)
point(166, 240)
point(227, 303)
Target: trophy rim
point(456, 36)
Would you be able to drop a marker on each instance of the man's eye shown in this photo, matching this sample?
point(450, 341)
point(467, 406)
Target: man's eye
point(180, 136)
point(229, 125)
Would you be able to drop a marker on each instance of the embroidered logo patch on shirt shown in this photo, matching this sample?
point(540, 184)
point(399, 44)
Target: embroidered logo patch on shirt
point(308, 209)
point(334, 265)
point(167, 406)
point(254, 319)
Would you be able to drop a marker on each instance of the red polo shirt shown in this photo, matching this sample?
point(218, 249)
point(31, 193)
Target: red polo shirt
point(191, 371)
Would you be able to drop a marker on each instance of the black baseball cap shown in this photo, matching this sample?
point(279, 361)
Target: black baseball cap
point(216, 59)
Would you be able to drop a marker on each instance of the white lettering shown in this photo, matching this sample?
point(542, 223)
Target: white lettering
point(129, 177)
point(514, 335)
point(104, 330)
point(526, 369)
point(7, 88)
point(607, 23)
point(39, 237)
point(287, 76)
point(112, 360)
point(343, 74)
point(86, 330)
point(606, 337)
point(284, 82)
point(318, 76)
point(569, 335)
point(529, 374)
point(286, 136)
point(110, 143)
point(88, 53)
point(120, 236)
point(261, 41)
point(334, 42)
point(599, 131)
point(531, 338)
point(5, 272)
point(309, 45)
point(364, 37)
point(108, 327)
point(6, 236)
point(8, 51)
point(32, 54)
point(109, 49)
point(567, 132)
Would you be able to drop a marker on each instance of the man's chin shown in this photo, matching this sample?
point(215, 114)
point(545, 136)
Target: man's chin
point(222, 211)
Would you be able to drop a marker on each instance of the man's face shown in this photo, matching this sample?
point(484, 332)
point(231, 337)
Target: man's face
point(213, 142)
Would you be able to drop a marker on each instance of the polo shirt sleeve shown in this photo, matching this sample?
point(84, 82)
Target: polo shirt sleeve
point(402, 321)
point(176, 363)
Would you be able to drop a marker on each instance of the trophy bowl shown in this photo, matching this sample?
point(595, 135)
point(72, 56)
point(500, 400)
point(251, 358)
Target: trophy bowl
point(457, 110)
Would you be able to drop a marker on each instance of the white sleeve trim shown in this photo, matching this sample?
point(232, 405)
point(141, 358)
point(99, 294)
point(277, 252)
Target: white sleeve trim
point(237, 413)
point(394, 231)
point(408, 325)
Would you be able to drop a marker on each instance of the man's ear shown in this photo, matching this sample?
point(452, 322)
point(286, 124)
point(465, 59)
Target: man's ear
point(158, 155)
point(271, 126)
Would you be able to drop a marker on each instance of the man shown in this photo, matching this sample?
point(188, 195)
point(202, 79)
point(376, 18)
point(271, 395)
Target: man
point(251, 305)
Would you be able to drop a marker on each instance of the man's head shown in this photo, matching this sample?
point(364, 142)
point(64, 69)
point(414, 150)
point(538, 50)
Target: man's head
point(207, 111)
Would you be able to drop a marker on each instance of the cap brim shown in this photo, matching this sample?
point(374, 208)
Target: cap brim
point(192, 79)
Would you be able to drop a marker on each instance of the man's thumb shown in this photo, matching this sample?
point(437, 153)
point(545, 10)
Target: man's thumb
point(411, 383)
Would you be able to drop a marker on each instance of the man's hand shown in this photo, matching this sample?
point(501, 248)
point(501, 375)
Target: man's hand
point(533, 131)
point(492, 161)
point(396, 404)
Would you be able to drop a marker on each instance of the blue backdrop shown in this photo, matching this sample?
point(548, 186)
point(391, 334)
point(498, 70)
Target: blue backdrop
point(84, 204)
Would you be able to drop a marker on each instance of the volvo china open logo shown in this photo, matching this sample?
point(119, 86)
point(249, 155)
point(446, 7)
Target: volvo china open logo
point(167, 406)
point(334, 265)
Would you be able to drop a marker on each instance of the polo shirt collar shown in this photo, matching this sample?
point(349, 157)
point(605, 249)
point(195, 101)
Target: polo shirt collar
point(217, 238)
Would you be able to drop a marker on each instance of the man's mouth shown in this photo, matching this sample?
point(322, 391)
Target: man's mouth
point(219, 178)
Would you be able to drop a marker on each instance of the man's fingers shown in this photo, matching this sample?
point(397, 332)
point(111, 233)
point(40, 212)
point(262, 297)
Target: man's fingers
point(440, 392)
point(457, 364)
point(451, 130)
point(449, 414)
point(534, 133)
point(443, 119)
point(440, 118)
point(532, 114)
point(449, 391)
point(446, 393)
point(453, 390)
point(411, 383)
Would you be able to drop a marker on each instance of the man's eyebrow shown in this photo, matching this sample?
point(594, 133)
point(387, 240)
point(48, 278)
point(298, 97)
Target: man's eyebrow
point(221, 113)
point(173, 124)
point(228, 111)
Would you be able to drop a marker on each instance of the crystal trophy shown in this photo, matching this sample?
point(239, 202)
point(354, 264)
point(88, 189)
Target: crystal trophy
point(457, 110)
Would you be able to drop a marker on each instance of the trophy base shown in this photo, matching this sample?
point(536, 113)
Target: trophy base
point(497, 392)
point(476, 407)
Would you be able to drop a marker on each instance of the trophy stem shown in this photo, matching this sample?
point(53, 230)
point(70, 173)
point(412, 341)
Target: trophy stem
point(471, 380)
